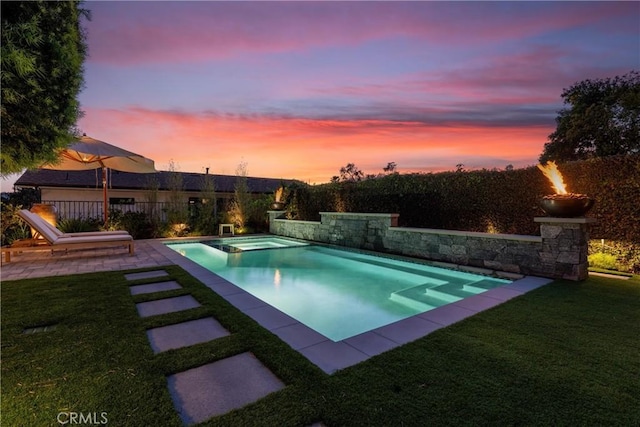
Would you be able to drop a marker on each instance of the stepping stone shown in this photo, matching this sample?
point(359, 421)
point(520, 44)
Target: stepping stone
point(185, 334)
point(219, 387)
point(154, 287)
point(166, 305)
point(146, 275)
point(36, 329)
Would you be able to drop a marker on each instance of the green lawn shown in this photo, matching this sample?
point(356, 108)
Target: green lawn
point(565, 354)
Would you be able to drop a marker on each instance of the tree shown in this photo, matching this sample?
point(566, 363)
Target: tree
point(207, 209)
point(177, 206)
point(240, 208)
point(151, 198)
point(43, 49)
point(390, 168)
point(603, 120)
point(351, 173)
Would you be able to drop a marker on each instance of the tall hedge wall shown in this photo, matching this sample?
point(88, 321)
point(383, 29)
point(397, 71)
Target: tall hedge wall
point(488, 200)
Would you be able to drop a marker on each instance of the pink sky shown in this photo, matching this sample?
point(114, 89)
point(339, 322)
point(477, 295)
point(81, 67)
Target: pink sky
point(300, 89)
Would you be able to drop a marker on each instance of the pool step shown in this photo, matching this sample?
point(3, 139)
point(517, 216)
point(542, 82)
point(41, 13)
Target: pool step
point(481, 286)
point(411, 302)
point(435, 293)
point(449, 295)
point(423, 297)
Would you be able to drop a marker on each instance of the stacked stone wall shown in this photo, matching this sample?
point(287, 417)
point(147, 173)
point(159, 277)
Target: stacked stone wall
point(559, 252)
point(515, 254)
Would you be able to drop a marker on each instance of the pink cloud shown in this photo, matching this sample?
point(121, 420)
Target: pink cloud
point(307, 149)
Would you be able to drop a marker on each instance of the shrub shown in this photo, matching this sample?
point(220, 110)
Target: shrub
point(135, 223)
point(602, 260)
point(13, 228)
point(77, 225)
point(239, 212)
point(627, 254)
point(204, 213)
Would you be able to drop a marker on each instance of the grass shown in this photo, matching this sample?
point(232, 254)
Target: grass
point(565, 354)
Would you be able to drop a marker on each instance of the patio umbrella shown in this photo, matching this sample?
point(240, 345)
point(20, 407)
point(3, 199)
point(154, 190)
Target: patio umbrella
point(88, 153)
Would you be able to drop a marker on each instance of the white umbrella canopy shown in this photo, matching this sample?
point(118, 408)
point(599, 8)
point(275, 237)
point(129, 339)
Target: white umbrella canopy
point(88, 153)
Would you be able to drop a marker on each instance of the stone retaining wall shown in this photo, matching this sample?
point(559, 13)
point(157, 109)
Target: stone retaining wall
point(560, 251)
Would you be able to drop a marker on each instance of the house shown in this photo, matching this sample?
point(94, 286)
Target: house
point(79, 194)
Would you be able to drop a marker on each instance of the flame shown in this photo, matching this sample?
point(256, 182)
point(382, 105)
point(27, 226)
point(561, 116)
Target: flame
point(279, 193)
point(550, 170)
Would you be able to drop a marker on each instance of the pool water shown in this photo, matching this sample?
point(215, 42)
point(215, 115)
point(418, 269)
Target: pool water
point(252, 244)
point(337, 293)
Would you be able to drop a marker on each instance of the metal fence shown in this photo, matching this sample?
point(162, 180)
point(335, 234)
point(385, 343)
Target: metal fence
point(72, 209)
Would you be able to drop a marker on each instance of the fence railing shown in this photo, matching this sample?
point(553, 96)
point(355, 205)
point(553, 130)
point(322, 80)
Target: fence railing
point(72, 209)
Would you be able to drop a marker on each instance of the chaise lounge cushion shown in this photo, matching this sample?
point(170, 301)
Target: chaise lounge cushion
point(51, 233)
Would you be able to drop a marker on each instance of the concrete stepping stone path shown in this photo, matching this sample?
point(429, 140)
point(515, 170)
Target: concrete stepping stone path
point(154, 287)
point(146, 275)
point(166, 305)
point(219, 387)
point(185, 334)
point(212, 389)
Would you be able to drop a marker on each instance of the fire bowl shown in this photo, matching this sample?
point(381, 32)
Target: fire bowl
point(277, 206)
point(566, 205)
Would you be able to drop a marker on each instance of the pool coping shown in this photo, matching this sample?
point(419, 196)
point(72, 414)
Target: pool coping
point(331, 356)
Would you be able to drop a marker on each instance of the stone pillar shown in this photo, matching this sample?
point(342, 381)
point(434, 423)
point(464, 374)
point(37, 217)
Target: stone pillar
point(274, 215)
point(565, 247)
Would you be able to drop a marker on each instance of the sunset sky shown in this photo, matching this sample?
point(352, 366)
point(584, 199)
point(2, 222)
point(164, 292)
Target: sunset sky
point(299, 89)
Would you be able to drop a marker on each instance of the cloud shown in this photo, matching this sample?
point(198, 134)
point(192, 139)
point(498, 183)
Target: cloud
point(303, 148)
point(127, 33)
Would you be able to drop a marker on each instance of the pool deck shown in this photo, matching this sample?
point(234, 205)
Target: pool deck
point(330, 356)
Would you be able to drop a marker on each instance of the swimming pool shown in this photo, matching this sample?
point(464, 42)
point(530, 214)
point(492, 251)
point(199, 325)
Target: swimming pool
point(337, 293)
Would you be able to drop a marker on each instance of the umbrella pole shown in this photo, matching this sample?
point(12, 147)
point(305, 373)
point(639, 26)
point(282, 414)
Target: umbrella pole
point(104, 195)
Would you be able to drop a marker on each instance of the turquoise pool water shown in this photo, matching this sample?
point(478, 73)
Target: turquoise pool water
point(337, 293)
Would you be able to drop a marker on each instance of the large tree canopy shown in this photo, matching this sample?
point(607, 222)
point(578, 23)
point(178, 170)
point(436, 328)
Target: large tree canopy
point(43, 49)
point(603, 119)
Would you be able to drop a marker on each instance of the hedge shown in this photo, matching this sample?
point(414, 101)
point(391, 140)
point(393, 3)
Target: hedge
point(490, 200)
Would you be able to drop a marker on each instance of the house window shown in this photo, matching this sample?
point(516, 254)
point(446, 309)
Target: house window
point(122, 201)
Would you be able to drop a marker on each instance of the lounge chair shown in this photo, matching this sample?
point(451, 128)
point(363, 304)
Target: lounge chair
point(28, 216)
point(48, 237)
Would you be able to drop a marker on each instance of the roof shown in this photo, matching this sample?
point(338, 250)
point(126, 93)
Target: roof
point(140, 181)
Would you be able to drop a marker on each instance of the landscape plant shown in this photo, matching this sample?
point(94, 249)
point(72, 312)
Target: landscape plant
point(602, 260)
point(43, 50)
point(135, 223)
point(258, 221)
point(13, 228)
point(239, 211)
point(177, 206)
point(77, 225)
point(151, 205)
point(602, 118)
point(206, 211)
